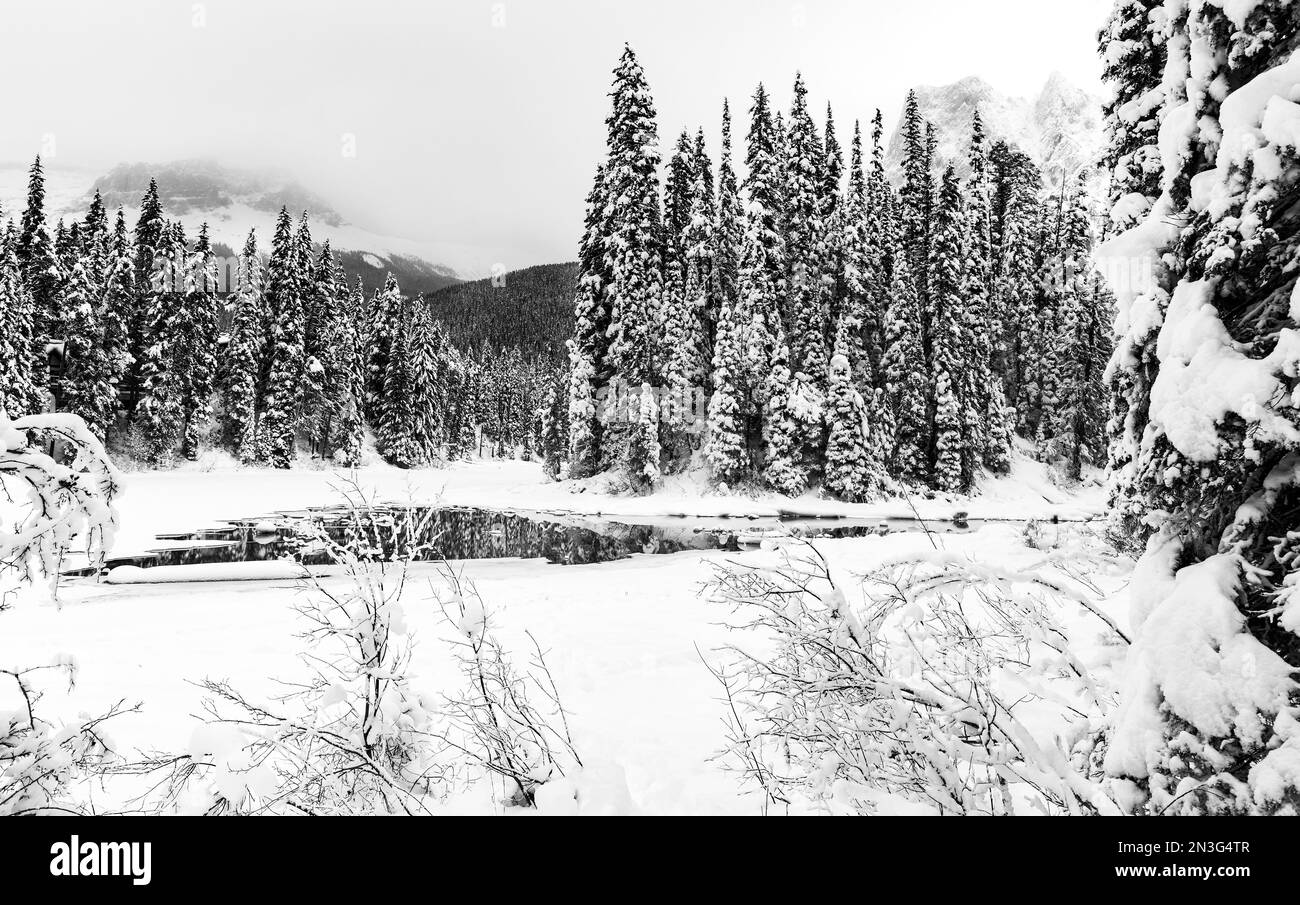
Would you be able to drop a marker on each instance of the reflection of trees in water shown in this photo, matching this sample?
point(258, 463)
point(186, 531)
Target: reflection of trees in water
point(454, 533)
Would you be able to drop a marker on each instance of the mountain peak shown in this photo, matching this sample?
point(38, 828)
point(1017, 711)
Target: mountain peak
point(1061, 126)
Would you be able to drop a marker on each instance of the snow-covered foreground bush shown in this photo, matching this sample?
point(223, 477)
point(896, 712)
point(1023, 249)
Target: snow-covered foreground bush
point(48, 507)
point(953, 685)
point(357, 736)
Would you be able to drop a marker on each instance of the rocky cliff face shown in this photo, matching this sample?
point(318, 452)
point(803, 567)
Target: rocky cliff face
point(1060, 128)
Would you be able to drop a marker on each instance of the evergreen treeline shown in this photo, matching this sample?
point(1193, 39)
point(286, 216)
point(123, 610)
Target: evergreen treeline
point(134, 318)
point(843, 331)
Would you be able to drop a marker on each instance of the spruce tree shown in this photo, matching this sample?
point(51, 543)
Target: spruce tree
point(385, 317)
point(951, 352)
point(807, 254)
point(241, 362)
point(782, 438)
point(589, 343)
point(635, 256)
point(730, 405)
point(201, 323)
point(285, 310)
point(915, 200)
point(905, 378)
point(86, 385)
point(1134, 53)
point(728, 234)
point(762, 287)
point(396, 424)
point(149, 249)
point(854, 467)
point(37, 257)
point(21, 357)
point(350, 367)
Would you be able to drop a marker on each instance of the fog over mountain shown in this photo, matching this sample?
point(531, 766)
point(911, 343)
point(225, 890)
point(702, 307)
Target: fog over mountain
point(232, 201)
point(1059, 127)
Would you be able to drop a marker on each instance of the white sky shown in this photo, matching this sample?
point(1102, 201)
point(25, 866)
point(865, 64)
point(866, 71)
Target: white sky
point(479, 122)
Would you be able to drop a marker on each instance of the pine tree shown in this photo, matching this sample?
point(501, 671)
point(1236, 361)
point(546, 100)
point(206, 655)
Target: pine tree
point(730, 405)
point(427, 350)
point(905, 378)
point(385, 312)
point(781, 427)
point(762, 287)
point(686, 330)
point(728, 235)
point(395, 427)
point(350, 368)
point(37, 258)
point(588, 346)
point(854, 466)
point(200, 322)
point(679, 187)
point(285, 310)
point(149, 249)
point(21, 363)
point(85, 387)
point(808, 319)
point(554, 429)
point(160, 407)
point(980, 407)
point(241, 362)
point(634, 253)
point(951, 353)
point(915, 202)
point(1134, 54)
point(857, 272)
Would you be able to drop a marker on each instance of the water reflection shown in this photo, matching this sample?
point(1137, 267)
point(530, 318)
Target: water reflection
point(454, 532)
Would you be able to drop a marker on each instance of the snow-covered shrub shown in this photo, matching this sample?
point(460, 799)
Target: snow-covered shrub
point(39, 759)
point(493, 722)
point(356, 737)
point(52, 506)
point(48, 507)
point(352, 738)
point(930, 689)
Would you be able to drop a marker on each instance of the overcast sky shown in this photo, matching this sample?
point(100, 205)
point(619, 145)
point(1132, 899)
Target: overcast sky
point(477, 122)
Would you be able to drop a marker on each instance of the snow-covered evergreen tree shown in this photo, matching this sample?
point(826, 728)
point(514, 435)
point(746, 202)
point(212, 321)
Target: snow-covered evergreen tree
point(350, 381)
point(37, 257)
point(1208, 357)
point(285, 311)
point(150, 253)
point(241, 363)
point(951, 351)
point(86, 385)
point(807, 252)
point(782, 438)
point(731, 403)
point(386, 312)
point(21, 358)
point(634, 254)
point(905, 379)
point(855, 468)
point(588, 345)
point(1132, 46)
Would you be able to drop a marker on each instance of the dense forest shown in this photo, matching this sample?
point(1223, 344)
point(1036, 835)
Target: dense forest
point(163, 347)
point(529, 309)
point(817, 325)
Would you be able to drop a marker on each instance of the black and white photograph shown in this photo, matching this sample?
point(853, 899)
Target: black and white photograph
point(460, 408)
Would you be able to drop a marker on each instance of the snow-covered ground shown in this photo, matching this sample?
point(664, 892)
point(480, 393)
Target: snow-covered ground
point(624, 639)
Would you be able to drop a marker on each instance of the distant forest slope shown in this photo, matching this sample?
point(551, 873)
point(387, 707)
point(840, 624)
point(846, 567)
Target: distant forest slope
point(531, 309)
